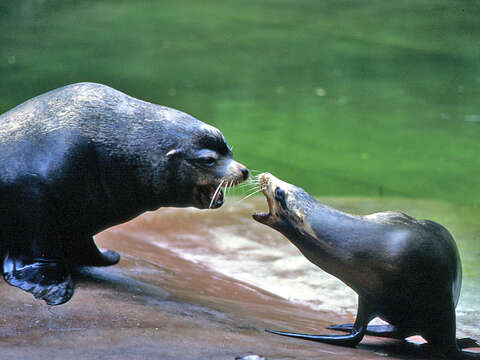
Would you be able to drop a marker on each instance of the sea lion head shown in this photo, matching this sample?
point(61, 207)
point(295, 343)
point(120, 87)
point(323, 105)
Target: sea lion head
point(289, 206)
point(198, 162)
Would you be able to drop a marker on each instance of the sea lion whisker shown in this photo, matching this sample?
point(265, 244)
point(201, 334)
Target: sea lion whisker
point(253, 193)
point(244, 185)
point(224, 191)
point(250, 183)
point(253, 180)
point(252, 189)
point(249, 188)
point(228, 186)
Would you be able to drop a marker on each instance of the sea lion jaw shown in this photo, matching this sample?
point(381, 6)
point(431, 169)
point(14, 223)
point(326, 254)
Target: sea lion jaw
point(281, 198)
point(209, 194)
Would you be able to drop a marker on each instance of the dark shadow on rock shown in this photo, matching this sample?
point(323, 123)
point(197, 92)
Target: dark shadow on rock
point(116, 284)
point(115, 280)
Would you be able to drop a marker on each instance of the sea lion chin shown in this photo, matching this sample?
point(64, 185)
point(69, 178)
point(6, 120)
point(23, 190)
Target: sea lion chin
point(405, 271)
point(84, 157)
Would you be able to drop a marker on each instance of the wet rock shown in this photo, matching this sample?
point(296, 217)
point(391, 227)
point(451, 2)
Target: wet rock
point(157, 305)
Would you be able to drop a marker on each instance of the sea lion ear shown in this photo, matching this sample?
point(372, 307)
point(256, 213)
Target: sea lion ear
point(300, 216)
point(175, 153)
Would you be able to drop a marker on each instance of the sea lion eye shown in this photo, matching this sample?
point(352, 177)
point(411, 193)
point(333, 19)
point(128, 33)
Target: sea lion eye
point(207, 160)
point(279, 194)
point(280, 197)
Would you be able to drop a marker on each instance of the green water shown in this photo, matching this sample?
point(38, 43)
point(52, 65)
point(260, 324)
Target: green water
point(349, 98)
point(343, 98)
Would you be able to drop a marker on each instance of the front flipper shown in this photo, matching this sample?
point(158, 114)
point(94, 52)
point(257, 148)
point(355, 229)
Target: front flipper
point(386, 331)
point(440, 331)
point(364, 315)
point(46, 279)
point(84, 252)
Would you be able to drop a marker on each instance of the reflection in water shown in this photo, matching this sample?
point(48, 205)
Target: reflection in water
point(230, 242)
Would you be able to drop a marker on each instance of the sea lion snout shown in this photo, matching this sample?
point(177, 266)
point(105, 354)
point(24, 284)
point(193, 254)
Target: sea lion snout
point(239, 171)
point(280, 198)
point(203, 164)
point(227, 173)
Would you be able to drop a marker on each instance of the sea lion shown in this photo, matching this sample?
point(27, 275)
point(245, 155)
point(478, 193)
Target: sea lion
point(405, 271)
point(84, 157)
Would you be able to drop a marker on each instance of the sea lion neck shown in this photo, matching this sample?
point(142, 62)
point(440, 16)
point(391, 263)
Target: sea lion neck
point(324, 224)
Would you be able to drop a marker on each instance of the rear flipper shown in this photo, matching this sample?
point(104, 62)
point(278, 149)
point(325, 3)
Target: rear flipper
point(465, 343)
point(357, 331)
point(390, 331)
point(386, 331)
point(46, 279)
point(84, 252)
point(467, 355)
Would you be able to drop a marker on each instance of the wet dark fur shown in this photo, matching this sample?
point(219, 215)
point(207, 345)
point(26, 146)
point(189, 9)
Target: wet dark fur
point(84, 157)
point(405, 271)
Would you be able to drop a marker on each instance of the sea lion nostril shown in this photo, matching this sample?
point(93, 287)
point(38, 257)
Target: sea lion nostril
point(245, 173)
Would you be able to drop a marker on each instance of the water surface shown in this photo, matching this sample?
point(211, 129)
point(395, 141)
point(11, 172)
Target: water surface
point(341, 97)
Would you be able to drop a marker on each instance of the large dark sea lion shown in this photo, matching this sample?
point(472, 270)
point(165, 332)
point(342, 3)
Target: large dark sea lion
point(405, 271)
point(84, 157)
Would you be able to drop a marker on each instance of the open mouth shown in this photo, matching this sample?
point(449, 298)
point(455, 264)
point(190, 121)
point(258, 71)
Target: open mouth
point(264, 217)
point(210, 196)
point(261, 216)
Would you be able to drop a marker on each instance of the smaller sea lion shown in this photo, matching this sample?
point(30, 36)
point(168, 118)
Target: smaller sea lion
point(405, 271)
